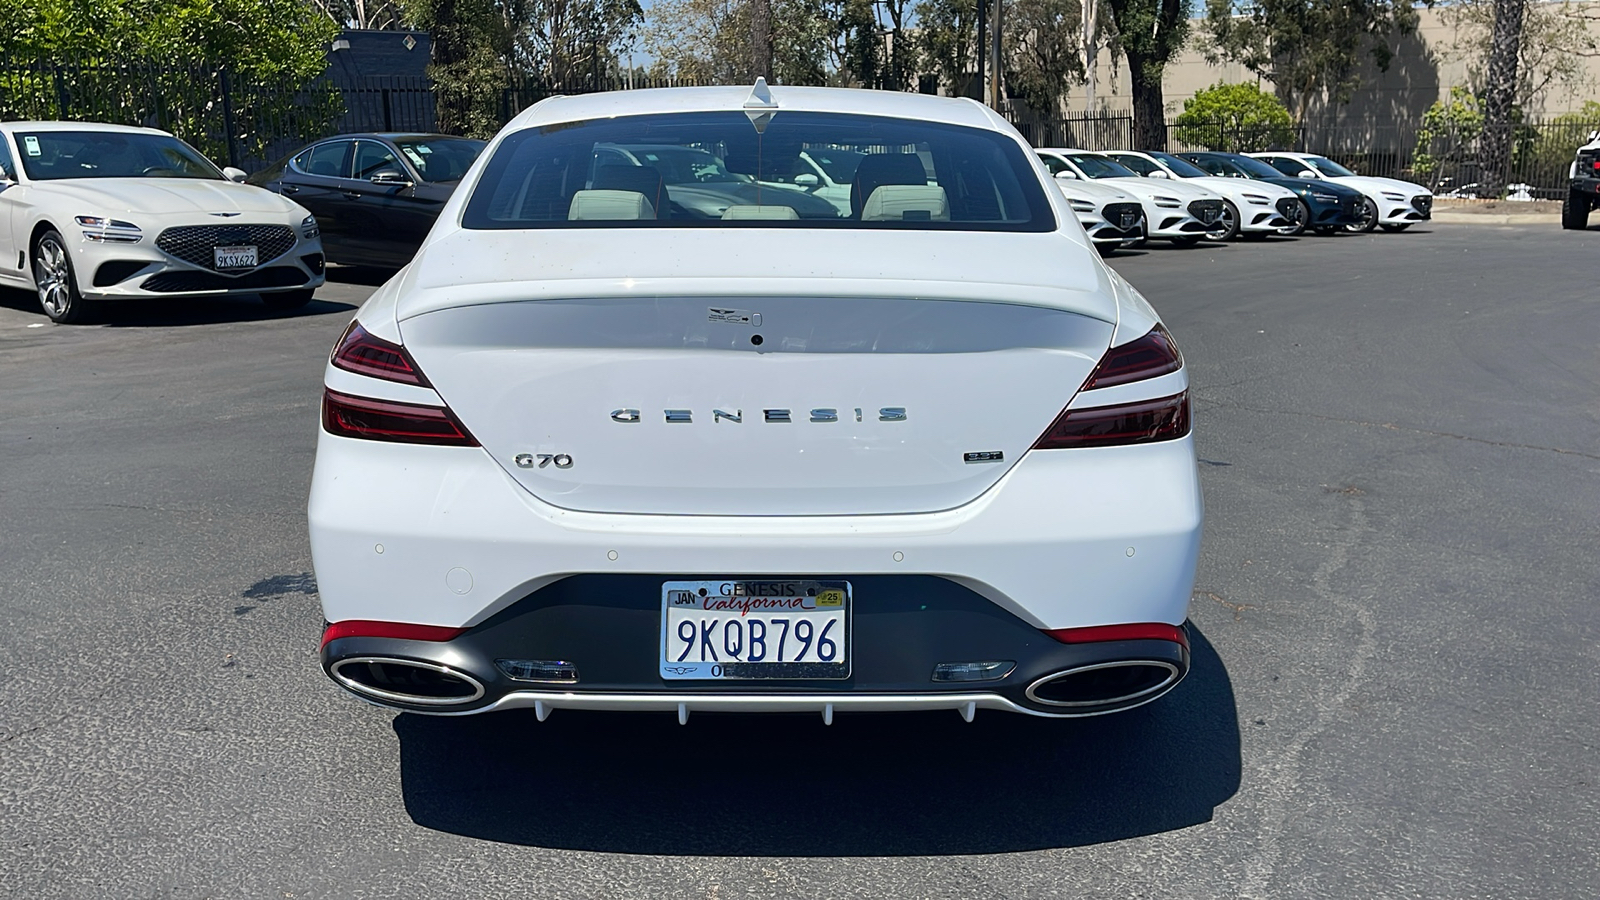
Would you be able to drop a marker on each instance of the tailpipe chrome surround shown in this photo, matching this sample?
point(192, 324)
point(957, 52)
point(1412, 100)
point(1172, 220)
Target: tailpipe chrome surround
point(1105, 687)
point(389, 679)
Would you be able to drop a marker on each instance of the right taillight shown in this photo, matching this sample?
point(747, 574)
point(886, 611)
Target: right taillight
point(1134, 422)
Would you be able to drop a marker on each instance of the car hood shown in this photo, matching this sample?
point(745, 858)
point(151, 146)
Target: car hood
point(1095, 192)
point(1313, 184)
point(163, 196)
point(1232, 188)
point(1148, 188)
point(459, 267)
point(1374, 183)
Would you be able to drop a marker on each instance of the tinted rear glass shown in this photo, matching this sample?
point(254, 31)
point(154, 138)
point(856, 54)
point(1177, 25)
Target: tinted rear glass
point(718, 169)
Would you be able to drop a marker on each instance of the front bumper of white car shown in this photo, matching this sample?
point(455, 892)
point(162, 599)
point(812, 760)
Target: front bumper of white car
point(438, 570)
point(1261, 217)
point(1186, 220)
point(180, 259)
point(1114, 224)
point(1395, 208)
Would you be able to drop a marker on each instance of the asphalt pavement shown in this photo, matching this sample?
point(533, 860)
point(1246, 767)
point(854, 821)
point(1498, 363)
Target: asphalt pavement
point(1394, 690)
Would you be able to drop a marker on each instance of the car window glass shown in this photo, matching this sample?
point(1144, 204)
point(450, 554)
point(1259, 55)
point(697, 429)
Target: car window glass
point(1096, 166)
point(1180, 167)
point(1254, 168)
point(440, 159)
point(1214, 165)
point(1054, 165)
point(326, 159)
point(372, 156)
point(1287, 166)
point(713, 168)
point(1329, 168)
point(1137, 163)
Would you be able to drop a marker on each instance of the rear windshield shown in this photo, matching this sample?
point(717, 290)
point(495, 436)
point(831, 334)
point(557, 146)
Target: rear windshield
point(798, 169)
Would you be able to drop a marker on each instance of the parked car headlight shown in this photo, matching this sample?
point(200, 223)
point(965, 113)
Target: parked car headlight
point(1324, 198)
point(102, 230)
point(309, 229)
point(1169, 202)
point(1082, 206)
point(1257, 199)
point(1398, 198)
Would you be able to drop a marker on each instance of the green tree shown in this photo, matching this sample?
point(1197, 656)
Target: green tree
point(1043, 52)
point(1307, 48)
point(947, 37)
point(1239, 118)
point(1449, 127)
point(1149, 33)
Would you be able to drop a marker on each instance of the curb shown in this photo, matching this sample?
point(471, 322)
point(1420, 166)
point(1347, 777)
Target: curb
point(1455, 218)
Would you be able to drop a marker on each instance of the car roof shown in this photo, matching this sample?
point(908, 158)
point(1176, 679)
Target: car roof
point(395, 136)
point(80, 126)
point(608, 104)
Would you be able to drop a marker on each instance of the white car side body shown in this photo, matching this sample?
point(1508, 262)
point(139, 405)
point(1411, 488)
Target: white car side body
point(29, 207)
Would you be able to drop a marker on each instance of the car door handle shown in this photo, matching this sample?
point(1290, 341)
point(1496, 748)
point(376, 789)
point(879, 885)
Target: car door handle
point(289, 189)
point(352, 195)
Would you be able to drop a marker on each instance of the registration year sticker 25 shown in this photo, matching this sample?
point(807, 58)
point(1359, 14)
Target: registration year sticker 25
point(788, 629)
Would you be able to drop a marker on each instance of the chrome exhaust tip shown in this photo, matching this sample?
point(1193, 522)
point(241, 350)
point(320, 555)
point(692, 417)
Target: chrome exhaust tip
point(393, 680)
point(1105, 687)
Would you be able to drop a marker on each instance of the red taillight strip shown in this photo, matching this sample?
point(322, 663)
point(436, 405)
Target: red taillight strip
point(399, 630)
point(1141, 422)
point(363, 354)
point(387, 420)
point(1150, 356)
point(1135, 631)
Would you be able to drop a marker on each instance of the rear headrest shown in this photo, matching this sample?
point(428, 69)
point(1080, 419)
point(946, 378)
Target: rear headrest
point(645, 180)
point(609, 206)
point(880, 169)
point(775, 213)
point(907, 203)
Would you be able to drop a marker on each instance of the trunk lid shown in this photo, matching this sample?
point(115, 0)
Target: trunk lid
point(668, 404)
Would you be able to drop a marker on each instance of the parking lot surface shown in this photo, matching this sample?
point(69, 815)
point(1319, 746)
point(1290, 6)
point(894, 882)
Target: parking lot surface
point(1393, 692)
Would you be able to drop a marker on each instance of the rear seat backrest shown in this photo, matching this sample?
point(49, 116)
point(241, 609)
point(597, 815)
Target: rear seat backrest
point(880, 169)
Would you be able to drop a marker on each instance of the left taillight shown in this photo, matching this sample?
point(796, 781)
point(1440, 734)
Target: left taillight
point(373, 419)
point(1134, 422)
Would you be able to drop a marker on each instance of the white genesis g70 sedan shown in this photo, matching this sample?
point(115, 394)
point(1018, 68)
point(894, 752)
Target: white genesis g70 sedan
point(93, 213)
point(608, 444)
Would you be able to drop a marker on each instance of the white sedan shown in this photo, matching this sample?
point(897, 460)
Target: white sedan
point(1112, 218)
point(1392, 204)
point(92, 213)
point(1174, 211)
point(1250, 208)
point(598, 448)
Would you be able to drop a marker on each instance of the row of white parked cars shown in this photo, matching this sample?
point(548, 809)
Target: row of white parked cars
point(1123, 198)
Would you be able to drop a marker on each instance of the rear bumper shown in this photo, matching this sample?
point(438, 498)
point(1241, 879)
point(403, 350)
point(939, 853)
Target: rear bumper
point(443, 536)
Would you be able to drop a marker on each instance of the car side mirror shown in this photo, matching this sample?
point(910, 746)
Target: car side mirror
point(390, 177)
point(1067, 175)
point(235, 175)
point(1307, 173)
point(807, 180)
point(1158, 174)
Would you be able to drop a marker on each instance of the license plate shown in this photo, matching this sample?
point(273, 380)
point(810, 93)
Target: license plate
point(755, 629)
point(1129, 220)
point(235, 257)
point(1208, 216)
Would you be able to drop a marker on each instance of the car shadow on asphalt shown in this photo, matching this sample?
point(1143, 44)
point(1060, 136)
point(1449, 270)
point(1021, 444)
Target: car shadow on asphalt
point(787, 785)
point(370, 276)
point(167, 311)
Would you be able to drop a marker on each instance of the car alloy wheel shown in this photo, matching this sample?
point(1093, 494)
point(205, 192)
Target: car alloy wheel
point(1226, 228)
point(52, 276)
point(1298, 215)
point(1368, 211)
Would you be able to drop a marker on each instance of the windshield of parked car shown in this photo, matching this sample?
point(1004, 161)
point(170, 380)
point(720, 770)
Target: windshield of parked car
point(1254, 168)
point(49, 155)
point(717, 168)
point(1328, 167)
point(440, 159)
point(1180, 167)
point(1093, 165)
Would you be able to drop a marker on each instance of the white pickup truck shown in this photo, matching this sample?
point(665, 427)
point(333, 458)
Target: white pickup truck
point(1583, 188)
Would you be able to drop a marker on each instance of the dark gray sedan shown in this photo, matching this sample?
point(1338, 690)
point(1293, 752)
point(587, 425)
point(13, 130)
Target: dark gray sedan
point(375, 196)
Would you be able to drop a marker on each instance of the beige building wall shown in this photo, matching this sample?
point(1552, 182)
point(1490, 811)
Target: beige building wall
point(1423, 70)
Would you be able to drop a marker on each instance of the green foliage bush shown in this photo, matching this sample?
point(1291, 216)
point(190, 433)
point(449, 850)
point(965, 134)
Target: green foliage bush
point(1238, 118)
